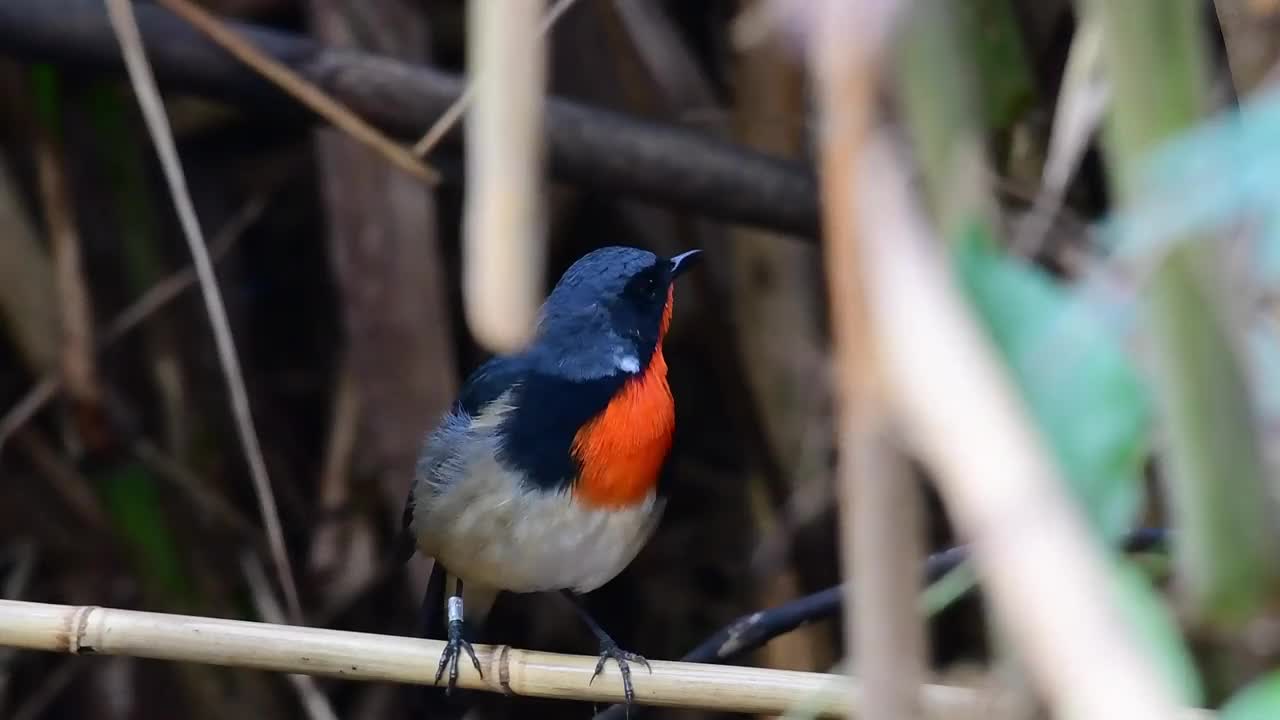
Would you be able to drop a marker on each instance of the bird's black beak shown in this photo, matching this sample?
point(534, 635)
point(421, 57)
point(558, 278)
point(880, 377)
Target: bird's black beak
point(682, 262)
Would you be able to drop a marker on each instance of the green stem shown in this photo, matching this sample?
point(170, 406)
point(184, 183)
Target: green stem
point(1226, 550)
point(942, 118)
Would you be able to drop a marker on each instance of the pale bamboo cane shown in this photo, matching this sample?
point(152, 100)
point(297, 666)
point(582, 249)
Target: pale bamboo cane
point(369, 657)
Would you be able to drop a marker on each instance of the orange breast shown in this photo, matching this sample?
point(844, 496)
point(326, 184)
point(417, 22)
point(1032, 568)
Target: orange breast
point(622, 449)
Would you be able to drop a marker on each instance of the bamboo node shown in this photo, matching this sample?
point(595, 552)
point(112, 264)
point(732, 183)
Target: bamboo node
point(504, 670)
point(77, 627)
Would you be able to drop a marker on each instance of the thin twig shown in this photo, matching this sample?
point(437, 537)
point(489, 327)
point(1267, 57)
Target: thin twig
point(121, 12)
point(163, 292)
point(30, 404)
point(74, 488)
point(449, 119)
point(749, 632)
point(150, 302)
point(752, 631)
point(204, 499)
point(305, 92)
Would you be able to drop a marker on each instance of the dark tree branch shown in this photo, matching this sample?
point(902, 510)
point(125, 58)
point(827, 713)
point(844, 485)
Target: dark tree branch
point(751, 632)
point(604, 150)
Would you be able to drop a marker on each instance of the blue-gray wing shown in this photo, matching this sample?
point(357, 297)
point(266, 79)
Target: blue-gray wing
point(442, 457)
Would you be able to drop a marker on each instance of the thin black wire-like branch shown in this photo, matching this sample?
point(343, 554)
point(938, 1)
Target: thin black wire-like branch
point(751, 632)
point(604, 150)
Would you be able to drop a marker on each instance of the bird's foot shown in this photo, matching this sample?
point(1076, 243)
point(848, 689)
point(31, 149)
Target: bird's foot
point(609, 650)
point(449, 658)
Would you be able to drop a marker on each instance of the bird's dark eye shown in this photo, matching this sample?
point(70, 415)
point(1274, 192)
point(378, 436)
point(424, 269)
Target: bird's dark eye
point(644, 287)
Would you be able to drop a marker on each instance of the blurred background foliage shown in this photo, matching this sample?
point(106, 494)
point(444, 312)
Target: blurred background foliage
point(1147, 356)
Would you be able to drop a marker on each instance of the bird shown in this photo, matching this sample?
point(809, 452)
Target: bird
point(547, 473)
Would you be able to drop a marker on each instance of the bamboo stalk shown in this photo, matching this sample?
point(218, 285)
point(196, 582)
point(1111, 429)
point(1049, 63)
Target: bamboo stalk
point(504, 228)
point(385, 658)
point(880, 515)
point(994, 472)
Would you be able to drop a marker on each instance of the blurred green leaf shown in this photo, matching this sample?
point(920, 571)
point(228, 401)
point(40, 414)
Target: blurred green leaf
point(137, 509)
point(1207, 178)
point(44, 85)
point(1082, 389)
point(1228, 550)
point(122, 157)
point(1150, 617)
point(1259, 700)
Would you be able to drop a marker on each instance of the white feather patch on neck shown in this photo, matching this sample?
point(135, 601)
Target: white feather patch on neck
point(628, 364)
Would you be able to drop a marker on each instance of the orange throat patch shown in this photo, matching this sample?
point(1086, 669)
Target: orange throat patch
point(621, 450)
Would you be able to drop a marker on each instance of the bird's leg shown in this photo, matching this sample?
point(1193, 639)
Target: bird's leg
point(609, 650)
point(457, 643)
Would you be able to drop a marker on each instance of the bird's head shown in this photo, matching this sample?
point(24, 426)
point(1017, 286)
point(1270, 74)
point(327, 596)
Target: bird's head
point(609, 312)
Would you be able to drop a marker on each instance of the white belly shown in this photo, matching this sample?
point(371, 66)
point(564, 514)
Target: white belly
point(488, 529)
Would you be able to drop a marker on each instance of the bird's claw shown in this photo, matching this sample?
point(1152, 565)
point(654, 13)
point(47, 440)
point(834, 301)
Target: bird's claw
point(610, 651)
point(449, 658)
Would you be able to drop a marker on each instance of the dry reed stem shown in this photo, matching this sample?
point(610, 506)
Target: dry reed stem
point(28, 300)
point(1248, 32)
point(327, 545)
point(994, 472)
point(305, 92)
point(146, 305)
point(1081, 105)
point(879, 504)
point(450, 117)
point(79, 371)
point(386, 658)
point(129, 36)
point(504, 225)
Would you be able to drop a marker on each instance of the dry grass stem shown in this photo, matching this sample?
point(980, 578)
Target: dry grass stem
point(995, 475)
point(879, 505)
point(76, 326)
point(385, 658)
point(305, 92)
point(1082, 103)
point(28, 300)
point(144, 84)
point(504, 217)
point(335, 475)
point(150, 302)
point(450, 118)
